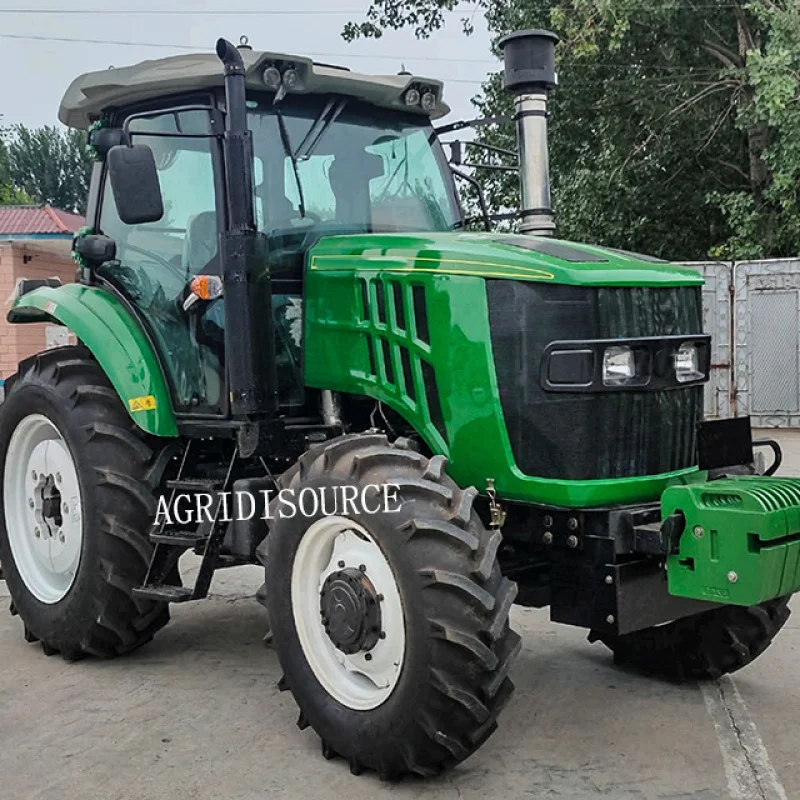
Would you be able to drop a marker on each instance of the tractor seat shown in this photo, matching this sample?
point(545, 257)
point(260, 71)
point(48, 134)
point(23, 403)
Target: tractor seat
point(201, 245)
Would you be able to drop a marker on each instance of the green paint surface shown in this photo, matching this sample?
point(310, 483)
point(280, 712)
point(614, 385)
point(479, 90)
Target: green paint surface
point(115, 339)
point(741, 544)
point(362, 336)
point(494, 255)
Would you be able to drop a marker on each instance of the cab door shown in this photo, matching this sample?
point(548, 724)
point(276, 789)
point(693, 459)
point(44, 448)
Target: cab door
point(156, 261)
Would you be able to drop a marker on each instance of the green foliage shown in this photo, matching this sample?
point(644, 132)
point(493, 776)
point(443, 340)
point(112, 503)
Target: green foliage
point(51, 165)
point(9, 194)
point(765, 221)
point(675, 129)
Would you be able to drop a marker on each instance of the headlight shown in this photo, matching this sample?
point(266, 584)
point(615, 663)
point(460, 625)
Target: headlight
point(272, 78)
point(652, 363)
point(687, 363)
point(619, 366)
point(291, 79)
point(412, 97)
point(428, 101)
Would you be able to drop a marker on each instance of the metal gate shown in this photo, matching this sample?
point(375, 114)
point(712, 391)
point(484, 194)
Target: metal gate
point(767, 344)
point(717, 322)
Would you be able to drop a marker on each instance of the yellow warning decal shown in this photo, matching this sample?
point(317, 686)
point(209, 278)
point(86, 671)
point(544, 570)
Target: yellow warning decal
point(147, 403)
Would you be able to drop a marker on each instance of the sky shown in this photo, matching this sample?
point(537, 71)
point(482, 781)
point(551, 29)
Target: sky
point(35, 69)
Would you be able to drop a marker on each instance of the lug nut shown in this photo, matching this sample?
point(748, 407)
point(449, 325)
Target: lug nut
point(362, 567)
point(61, 538)
point(548, 521)
point(379, 598)
point(65, 508)
point(698, 532)
point(732, 577)
point(572, 524)
point(34, 475)
point(610, 619)
point(548, 538)
point(341, 565)
point(609, 579)
point(37, 532)
point(368, 657)
point(382, 635)
point(58, 477)
point(572, 541)
point(30, 502)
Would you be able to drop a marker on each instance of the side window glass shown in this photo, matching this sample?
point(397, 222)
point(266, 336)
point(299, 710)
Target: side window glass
point(409, 194)
point(186, 237)
point(155, 261)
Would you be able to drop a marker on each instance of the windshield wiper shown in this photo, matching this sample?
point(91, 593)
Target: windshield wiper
point(287, 149)
point(321, 125)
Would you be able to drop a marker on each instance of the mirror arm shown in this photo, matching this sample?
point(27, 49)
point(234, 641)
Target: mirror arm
point(492, 149)
point(480, 122)
point(495, 167)
point(481, 199)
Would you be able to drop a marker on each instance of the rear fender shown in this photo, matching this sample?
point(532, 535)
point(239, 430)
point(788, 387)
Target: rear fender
point(116, 339)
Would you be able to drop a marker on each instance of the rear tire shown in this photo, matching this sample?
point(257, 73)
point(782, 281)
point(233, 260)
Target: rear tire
point(83, 605)
point(452, 643)
point(702, 647)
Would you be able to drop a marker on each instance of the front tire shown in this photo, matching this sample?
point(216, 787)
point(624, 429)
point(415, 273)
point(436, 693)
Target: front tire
point(417, 624)
point(704, 646)
point(78, 501)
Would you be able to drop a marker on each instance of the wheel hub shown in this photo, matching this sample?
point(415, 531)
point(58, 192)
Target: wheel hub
point(42, 506)
point(47, 504)
point(350, 611)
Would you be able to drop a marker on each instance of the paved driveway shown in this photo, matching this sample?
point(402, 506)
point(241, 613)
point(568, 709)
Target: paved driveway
point(197, 714)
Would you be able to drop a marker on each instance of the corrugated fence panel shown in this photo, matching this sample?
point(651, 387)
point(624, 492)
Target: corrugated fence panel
point(717, 322)
point(767, 342)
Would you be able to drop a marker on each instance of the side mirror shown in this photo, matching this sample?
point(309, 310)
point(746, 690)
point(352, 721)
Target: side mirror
point(95, 249)
point(134, 182)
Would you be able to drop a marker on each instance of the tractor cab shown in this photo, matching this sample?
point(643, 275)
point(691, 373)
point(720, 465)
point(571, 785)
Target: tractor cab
point(332, 153)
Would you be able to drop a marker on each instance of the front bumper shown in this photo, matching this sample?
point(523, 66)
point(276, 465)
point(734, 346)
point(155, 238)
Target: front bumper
point(741, 543)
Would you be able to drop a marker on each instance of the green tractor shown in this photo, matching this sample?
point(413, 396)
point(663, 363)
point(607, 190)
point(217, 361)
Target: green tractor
point(279, 297)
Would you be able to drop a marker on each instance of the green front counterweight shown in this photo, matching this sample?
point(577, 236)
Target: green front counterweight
point(741, 544)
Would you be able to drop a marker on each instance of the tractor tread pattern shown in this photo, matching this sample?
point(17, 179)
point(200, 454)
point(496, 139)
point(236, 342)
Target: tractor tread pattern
point(705, 646)
point(124, 495)
point(468, 682)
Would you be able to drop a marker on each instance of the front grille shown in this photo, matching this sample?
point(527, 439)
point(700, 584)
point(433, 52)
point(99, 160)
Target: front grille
point(396, 317)
point(591, 436)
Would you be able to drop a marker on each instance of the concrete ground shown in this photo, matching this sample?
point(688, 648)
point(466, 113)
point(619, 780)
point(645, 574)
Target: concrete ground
point(196, 714)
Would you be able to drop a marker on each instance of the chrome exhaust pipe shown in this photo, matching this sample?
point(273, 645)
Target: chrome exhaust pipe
point(530, 73)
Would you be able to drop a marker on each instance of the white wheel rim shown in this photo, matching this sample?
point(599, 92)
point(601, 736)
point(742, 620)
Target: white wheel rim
point(42, 506)
point(364, 680)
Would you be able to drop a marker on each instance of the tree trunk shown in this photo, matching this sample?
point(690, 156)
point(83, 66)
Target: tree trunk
point(758, 133)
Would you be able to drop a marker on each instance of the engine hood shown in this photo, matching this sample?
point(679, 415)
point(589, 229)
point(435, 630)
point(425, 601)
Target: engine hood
point(498, 255)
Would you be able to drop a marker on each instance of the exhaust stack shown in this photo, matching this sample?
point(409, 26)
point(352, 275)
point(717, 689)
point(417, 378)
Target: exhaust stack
point(249, 333)
point(530, 73)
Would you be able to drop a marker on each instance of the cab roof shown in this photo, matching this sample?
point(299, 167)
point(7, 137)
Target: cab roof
point(92, 94)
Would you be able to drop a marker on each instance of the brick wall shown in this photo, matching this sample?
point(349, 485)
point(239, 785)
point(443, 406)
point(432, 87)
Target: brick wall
point(27, 259)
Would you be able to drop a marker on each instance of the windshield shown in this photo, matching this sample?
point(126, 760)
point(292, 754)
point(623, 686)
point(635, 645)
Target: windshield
point(341, 166)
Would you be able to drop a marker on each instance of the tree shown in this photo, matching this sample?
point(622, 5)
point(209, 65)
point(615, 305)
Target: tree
point(9, 194)
point(51, 165)
point(674, 130)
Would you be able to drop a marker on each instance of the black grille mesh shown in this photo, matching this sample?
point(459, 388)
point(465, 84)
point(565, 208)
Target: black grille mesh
point(591, 436)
